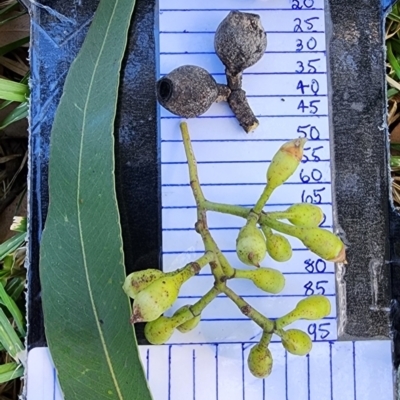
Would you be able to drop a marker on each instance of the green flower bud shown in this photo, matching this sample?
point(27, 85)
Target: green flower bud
point(188, 325)
point(251, 247)
point(159, 296)
point(160, 330)
point(305, 214)
point(260, 361)
point(267, 279)
point(285, 162)
point(278, 247)
point(311, 308)
point(324, 243)
point(314, 307)
point(139, 280)
point(320, 241)
point(296, 342)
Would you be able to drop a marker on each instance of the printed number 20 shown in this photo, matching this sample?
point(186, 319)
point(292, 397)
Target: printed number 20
point(299, 4)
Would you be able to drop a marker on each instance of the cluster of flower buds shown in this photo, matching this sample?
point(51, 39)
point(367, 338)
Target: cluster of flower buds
point(154, 292)
point(253, 242)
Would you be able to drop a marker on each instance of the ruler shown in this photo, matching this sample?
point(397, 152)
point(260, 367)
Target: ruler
point(288, 91)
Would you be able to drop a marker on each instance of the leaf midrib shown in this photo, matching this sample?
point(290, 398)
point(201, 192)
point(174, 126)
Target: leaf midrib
point(103, 342)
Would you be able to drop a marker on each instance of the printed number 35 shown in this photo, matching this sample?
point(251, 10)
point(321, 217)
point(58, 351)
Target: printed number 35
point(311, 68)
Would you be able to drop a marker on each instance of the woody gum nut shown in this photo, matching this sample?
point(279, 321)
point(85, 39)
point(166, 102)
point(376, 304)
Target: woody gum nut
point(311, 308)
point(188, 325)
point(267, 279)
point(189, 91)
point(139, 280)
point(325, 244)
point(305, 214)
point(285, 162)
point(296, 342)
point(159, 331)
point(156, 298)
point(260, 361)
point(240, 41)
point(279, 248)
point(250, 245)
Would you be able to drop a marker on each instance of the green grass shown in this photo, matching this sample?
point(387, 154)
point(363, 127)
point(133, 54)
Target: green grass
point(14, 98)
point(393, 94)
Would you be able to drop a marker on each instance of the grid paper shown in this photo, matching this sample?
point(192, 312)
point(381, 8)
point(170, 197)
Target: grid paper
point(358, 370)
point(287, 90)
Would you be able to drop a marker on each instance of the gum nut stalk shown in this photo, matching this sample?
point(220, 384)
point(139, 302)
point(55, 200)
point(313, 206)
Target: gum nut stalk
point(278, 247)
point(159, 331)
point(251, 247)
point(188, 325)
point(285, 162)
point(324, 243)
point(268, 279)
point(139, 280)
point(156, 298)
point(260, 361)
point(187, 91)
point(311, 308)
point(296, 342)
point(240, 41)
point(305, 214)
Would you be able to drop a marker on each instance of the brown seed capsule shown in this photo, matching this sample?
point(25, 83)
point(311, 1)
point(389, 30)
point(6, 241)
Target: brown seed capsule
point(240, 41)
point(189, 91)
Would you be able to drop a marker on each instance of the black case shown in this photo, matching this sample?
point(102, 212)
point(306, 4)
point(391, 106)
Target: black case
point(361, 178)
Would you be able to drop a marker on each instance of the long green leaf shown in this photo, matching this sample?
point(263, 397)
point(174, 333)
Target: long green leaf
point(14, 45)
point(13, 91)
point(13, 309)
point(9, 8)
point(19, 112)
point(11, 244)
point(10, 371)
point(5, 21)
point(9, 339)
point(86, 312)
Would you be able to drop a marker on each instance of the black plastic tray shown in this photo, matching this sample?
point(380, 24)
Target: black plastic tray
point(359, 148)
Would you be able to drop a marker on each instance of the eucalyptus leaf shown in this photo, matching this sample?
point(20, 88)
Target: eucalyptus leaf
point(86, 312)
